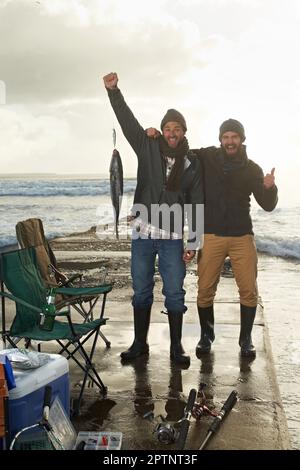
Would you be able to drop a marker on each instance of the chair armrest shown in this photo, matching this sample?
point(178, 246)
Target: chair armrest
point(33, 307)
point(59, 276)
point(102, 289)
point(20, 301)
point(64, 313)
point(71, 279)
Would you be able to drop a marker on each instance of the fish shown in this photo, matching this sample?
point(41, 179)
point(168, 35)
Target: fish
point(116, 183)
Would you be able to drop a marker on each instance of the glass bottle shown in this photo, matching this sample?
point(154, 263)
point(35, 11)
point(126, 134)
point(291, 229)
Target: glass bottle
point(48, 315)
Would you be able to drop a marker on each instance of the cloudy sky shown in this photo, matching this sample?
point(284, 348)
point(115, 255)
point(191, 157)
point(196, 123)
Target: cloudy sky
point(211, 59)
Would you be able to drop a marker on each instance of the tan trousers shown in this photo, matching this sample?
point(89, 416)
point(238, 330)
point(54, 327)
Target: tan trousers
point(243, 256)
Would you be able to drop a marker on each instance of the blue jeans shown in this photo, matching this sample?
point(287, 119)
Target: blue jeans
point(170, 265)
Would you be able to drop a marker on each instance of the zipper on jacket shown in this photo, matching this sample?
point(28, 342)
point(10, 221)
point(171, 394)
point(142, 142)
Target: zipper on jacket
point(164, 186)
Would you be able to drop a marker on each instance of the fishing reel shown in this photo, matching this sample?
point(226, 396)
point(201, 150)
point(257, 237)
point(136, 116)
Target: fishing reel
point(200, 408)
point(165, 432)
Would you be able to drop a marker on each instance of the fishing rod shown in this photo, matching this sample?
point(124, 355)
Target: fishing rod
point(114, 136)
point(185, 421)
point(226, 408)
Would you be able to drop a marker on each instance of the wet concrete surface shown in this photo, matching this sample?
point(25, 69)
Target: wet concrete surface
point(154, 385)
point(279, 281)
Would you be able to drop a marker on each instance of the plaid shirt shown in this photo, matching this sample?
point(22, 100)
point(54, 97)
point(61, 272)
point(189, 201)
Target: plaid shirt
point(145, 228)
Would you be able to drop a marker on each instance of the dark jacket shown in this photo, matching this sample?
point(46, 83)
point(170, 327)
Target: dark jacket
point(151, 175)
point(227, 193)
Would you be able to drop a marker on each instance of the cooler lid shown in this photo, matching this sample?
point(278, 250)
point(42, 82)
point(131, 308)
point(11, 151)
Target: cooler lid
point(30, 380)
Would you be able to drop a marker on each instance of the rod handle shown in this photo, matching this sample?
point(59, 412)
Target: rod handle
point(184, 429)
point(47, 402)
point(228, 405)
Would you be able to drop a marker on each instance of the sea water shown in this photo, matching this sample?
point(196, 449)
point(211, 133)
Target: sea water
point(64, 204)
point(68, 204)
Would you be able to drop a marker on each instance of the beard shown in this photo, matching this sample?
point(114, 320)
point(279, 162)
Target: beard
point(233, 150)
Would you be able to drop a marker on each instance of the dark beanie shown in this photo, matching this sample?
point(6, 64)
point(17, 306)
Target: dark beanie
point(174, 116)
point(232, 125)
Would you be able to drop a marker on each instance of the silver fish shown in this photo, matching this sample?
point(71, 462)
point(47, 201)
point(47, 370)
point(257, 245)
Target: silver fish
point(116, 185)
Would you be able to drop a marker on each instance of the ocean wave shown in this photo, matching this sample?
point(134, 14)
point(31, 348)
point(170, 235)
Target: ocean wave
point(284, 248)
point(7, 241)
point(73, 188)
point(12, 240)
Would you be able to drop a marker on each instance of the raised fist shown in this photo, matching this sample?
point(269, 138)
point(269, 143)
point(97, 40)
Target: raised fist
point(111, 80)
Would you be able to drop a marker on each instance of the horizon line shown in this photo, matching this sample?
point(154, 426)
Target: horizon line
point(59, 174)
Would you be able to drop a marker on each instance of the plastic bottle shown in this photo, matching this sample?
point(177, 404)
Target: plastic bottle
point(47, 316)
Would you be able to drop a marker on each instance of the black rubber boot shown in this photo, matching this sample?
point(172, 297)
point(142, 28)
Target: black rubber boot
point(206, 317)
point(177, 352)
point(245, 340)
point(141, 327)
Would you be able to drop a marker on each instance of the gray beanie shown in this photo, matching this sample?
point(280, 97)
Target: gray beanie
point(232, 125)
point(174, 116)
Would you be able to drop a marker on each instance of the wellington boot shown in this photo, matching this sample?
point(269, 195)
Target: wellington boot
point(206, 317)
point(177, 352)
point(141, 327)
point(245, 340)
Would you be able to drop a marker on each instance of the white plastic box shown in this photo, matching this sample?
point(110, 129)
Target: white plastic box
point(98, 440)
point(26, 400)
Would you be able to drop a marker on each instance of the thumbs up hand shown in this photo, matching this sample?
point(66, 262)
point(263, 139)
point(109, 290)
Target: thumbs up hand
point(269, 179)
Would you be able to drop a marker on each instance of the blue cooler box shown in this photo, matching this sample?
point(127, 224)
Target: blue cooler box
point(26, 400)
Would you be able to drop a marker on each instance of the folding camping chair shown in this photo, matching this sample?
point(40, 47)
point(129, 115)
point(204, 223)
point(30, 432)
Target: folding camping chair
point(25, 287)
point(30, 232)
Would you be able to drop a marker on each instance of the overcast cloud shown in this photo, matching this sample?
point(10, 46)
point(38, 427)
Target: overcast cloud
point(211, 59)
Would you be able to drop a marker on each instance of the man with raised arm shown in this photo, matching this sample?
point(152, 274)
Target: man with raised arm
point(169, 184)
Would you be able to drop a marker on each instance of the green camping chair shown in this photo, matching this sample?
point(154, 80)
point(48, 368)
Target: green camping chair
point(22, 279)
point(30, 232)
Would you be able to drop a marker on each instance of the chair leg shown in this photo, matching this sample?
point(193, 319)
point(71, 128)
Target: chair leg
point(108, 343)
point(89, 369)
point(101, 316)
point(88, 315)
point(81, 351)
point(89, 366)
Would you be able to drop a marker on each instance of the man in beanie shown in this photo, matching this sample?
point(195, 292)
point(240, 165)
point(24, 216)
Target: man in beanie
point(229, 180)
point(166, 177)
point(232, 125)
